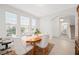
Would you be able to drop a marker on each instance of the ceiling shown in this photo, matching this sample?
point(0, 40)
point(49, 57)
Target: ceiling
point(41, 10)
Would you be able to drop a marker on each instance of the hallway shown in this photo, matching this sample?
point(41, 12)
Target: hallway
point(63, 46)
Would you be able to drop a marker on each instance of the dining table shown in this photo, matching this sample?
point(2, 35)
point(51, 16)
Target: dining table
point(33, 40)
point(6, 44)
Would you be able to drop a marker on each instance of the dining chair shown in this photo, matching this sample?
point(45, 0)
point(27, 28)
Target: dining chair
point(44, 43)
point(21, 47)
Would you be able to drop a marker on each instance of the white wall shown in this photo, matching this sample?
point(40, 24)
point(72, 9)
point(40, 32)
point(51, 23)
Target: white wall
point(50, 23)
point(2, 23)
point(69, 31)
point(45, 25)
point(55, 27)
point(49, 26)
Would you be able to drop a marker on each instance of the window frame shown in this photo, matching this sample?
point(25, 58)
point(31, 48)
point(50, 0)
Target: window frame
point(26, 25)
point(10, 24)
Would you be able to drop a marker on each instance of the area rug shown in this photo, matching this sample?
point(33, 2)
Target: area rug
point(39, 50)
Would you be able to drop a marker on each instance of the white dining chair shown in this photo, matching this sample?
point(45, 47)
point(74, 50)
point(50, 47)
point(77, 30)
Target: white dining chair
point(20, 47)
point(44, 43)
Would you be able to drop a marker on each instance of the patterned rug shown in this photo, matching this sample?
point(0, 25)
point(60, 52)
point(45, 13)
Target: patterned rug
point(39, 50)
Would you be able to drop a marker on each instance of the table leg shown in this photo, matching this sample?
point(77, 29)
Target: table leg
point(6, 46)
point(34, 49)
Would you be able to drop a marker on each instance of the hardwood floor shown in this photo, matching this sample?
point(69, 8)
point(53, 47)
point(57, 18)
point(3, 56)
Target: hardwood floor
point(63, 46)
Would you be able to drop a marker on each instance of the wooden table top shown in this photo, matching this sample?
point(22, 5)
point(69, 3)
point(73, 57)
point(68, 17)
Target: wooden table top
point(33, 39)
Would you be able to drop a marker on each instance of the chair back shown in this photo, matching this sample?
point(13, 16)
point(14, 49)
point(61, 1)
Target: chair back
point(44, 41)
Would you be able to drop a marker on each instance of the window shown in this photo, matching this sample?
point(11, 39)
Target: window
point(24, 21)
point(34, 23)
point(11, 21)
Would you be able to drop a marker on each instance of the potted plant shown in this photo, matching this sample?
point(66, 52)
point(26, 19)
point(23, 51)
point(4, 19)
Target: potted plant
point(37, 32)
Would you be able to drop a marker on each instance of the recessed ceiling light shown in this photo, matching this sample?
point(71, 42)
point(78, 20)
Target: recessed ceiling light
point(61, 19)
